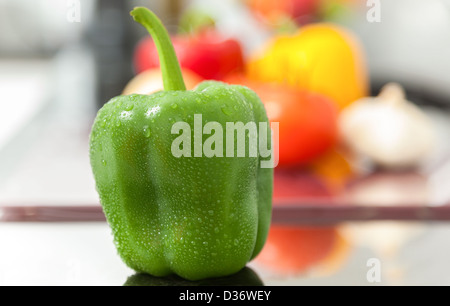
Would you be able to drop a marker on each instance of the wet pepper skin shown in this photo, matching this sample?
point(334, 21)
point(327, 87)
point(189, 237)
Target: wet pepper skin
point(197, 217)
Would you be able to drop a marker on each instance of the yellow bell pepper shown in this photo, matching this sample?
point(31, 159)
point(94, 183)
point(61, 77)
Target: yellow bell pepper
point(321, 57)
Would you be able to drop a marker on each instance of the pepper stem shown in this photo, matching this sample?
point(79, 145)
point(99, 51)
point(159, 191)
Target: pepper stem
point(170, 67)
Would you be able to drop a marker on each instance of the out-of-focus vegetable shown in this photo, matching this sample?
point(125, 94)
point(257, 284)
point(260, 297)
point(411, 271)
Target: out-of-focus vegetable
point(206, 53)
point(322, 58)
point(307, 121)
point(273, 12)
point(294, 250)
point(150, 81)
point(340, 10)
point(195, 20)
point(334, 170)
point(388, 129)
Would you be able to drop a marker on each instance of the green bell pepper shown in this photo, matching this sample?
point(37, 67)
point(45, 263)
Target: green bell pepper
point(194, 216)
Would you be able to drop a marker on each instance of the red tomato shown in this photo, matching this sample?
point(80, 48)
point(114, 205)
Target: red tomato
point(307, 121)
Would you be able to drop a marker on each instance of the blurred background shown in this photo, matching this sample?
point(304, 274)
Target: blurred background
point(361, 90)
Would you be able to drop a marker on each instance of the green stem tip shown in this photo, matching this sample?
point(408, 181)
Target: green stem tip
point(170, 67)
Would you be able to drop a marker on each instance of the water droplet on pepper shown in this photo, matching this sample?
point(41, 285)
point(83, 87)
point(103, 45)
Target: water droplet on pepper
point(147, 132)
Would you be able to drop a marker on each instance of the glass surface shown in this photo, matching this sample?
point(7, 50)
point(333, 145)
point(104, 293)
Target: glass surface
point(357, 253)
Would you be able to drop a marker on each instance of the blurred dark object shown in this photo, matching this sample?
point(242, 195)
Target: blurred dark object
point(111, 37)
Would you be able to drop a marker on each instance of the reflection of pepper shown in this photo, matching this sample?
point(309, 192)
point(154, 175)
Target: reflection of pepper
point(197, 217)
point(321, 58)
point(245, 277)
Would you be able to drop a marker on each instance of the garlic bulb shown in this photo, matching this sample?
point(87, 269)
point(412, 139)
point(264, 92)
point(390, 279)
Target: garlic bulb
point(389, 130)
